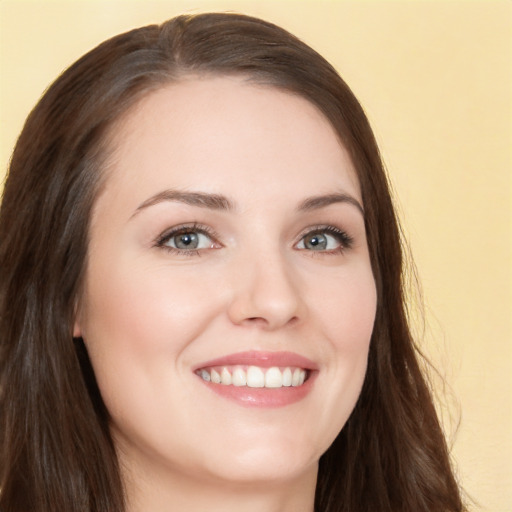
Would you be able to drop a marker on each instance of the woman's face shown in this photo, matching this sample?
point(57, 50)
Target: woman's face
point(229, 299)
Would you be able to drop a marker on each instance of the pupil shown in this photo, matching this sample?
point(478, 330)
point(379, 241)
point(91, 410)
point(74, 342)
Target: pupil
point(187, 241)
point(317, 242)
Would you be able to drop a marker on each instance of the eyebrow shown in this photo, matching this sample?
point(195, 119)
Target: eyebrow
point(220, 202)
point(317, 202)
point(201, 199)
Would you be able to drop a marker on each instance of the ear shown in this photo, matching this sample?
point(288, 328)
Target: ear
point(77, 329)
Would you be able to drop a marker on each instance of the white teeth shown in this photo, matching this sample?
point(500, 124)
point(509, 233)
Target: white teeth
point(225, 377)
point(287, 377)
point(273, 378)
point(239, 377)
point(255, 377)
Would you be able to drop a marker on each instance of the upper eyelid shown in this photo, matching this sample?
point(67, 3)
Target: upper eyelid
point(193, 226)
point(322, 227)
point(170, 232)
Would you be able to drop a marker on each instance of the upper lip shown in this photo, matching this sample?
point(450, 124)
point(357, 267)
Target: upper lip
point(263, 359)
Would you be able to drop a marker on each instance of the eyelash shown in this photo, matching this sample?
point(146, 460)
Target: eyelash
point(344, 239)
point(164, 238)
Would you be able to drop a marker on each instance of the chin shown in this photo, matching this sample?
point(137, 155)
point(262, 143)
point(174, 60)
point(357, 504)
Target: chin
point(265, 470)
point(265, 460)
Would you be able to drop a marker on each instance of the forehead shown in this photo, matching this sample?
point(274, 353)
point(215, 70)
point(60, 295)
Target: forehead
point(221, 133)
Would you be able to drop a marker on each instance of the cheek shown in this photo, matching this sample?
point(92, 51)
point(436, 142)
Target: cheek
point(137, 324)
point(144, 308)
point(352, 317)
point(346, 310)
point(346, 315)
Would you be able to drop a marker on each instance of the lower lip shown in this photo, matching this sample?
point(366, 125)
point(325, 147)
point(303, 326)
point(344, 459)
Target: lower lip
point(263, 397)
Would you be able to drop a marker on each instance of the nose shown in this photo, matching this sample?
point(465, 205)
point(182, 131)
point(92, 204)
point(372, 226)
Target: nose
point(266, 294)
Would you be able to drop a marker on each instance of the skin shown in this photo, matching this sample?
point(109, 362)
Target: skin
point(149, 315)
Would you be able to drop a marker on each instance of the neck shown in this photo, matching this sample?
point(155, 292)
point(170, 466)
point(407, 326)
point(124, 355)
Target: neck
point(168, 491)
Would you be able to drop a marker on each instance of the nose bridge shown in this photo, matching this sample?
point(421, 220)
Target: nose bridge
point(265, 290)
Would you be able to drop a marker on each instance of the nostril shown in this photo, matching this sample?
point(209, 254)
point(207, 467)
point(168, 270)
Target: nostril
point(256, 320)
point(267, 322)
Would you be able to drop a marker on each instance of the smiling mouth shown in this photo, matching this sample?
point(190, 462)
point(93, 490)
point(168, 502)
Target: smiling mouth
point(254, 376)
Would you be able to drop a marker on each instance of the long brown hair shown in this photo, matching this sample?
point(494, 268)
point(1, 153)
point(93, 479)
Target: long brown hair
point(55, 447)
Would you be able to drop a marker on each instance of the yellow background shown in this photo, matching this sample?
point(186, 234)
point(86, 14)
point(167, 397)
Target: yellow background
point(435, 79)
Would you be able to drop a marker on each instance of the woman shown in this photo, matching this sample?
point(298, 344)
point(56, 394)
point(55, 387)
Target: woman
point(201, 297)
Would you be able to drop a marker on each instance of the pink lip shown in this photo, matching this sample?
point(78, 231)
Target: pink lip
point(263, 397)
point(262, 359)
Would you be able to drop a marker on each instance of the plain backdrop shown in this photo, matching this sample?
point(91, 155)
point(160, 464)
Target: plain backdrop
point(435, 80)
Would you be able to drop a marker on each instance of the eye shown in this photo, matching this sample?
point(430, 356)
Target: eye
point(186, 239)
point(189, 240)
point(325, 239)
